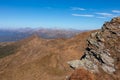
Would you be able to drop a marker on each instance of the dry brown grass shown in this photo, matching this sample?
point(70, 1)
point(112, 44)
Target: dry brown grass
point(41, 59)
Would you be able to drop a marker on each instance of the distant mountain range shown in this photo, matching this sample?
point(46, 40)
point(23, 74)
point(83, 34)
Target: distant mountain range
point(18, 34)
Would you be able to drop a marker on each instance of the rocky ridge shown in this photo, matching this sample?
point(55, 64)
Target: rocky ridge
point(102, 52)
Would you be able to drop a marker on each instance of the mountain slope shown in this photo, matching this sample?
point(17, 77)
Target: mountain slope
point(36, 58)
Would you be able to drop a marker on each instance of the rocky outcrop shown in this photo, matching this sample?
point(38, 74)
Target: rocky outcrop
point(102, 51)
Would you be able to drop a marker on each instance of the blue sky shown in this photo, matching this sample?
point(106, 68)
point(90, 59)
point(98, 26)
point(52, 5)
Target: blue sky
point(65, 14)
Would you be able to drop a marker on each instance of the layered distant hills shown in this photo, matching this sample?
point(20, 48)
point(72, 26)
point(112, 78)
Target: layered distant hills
point(18, 34)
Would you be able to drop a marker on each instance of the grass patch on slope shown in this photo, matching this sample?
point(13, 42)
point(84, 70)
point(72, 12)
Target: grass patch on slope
point(7, 50)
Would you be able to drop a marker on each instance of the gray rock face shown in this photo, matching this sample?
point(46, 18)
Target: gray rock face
point(102, 50)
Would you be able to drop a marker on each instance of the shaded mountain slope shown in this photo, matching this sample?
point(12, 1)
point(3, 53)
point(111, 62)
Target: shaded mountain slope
point(41, 59)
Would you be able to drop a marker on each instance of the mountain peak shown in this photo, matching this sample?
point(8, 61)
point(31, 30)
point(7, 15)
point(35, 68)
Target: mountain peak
point(116, 19)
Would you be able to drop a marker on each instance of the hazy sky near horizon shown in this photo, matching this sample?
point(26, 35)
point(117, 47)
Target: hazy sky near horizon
point(65, 14)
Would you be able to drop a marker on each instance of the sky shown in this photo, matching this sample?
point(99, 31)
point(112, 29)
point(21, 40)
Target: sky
point(60, 14)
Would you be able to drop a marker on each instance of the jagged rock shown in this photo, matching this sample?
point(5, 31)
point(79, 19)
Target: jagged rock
point(102, 50)
point(74, 64)
point(108, 69)
point(88, 65)
point(116, 20)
